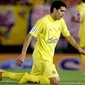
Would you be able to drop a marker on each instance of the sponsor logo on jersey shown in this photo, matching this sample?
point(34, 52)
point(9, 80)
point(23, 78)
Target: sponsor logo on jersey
point(51, 40)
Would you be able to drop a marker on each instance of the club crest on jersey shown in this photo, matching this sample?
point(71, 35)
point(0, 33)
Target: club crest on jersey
point(34, 30)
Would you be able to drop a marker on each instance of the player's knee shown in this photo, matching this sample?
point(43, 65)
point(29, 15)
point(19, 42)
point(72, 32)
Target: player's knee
point(54, 80)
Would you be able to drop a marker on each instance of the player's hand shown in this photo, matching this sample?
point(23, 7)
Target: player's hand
point(19, 61)
point(72, 19)
point(81, 51)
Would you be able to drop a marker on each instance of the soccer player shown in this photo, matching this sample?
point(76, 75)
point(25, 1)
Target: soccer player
point(81, 19)
point(47, 30)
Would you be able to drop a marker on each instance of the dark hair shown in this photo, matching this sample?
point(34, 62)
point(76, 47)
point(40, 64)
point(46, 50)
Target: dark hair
point(57, 5)
point(83, 0)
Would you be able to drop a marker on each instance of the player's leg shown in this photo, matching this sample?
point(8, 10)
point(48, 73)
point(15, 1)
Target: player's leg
point(82, 62)
point(27, 78)
point(82, 44)
point(35, 75)
point(45, 74)
point(11, 75)
point(50, 72)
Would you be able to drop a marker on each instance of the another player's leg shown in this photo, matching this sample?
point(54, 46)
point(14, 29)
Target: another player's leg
point(82, 62)
point(11, 75)
point(82, 44)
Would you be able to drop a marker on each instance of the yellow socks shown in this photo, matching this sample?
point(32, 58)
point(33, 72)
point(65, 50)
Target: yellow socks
point(11, 75)
point(34, 79)
point(25, 77)
point(43, 80)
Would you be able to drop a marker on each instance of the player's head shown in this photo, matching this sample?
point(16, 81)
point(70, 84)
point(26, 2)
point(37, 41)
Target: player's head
point(58, 9)
point(83, 0)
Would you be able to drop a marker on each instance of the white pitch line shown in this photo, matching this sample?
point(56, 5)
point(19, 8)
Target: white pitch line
point(8, 81)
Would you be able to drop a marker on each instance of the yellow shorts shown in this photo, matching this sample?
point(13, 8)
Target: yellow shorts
point(44, 68)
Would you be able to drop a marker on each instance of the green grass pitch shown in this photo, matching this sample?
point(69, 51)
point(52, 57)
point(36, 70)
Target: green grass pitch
point(67, 78)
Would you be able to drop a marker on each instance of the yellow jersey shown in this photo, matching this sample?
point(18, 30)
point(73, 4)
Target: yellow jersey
point(81, 13)
point(48, 32)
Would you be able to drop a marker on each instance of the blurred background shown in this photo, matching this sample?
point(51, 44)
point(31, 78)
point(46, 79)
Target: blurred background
point(17, 17)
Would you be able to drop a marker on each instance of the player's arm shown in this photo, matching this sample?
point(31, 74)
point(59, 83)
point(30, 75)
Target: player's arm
point(35, 31)
point(21, 58)
point(26, 43)
point(69, 38)
point(72, 41)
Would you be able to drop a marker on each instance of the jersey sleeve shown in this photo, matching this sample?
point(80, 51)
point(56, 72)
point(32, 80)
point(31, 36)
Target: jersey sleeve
point(64, 29)
point(37, 28)
point(80, 11)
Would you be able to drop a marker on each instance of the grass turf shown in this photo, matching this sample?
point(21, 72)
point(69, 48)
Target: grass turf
point(67, 78)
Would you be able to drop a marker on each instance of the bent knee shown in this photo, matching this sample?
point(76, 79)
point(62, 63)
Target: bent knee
point(54, 80)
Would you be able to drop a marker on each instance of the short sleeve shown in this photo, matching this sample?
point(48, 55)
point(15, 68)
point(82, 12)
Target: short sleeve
point(64, 29)
point(80, 11)
point(37, 28)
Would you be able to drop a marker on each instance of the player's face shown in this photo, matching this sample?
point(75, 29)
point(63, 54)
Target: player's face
point(60, 12)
